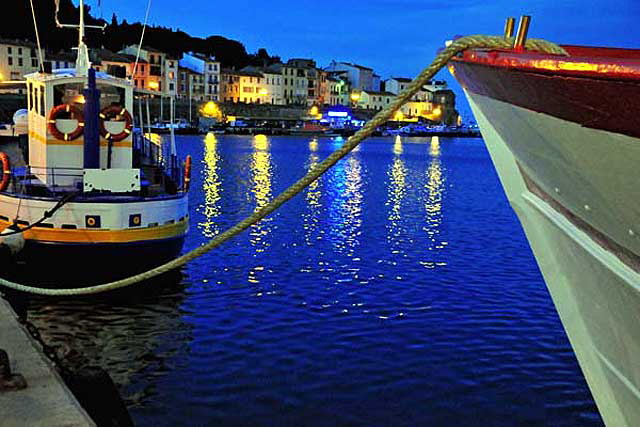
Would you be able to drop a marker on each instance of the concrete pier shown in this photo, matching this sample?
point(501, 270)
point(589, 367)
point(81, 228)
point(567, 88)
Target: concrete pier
point(46, 401)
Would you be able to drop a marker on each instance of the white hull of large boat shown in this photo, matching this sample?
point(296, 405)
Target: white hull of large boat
point(596, 292)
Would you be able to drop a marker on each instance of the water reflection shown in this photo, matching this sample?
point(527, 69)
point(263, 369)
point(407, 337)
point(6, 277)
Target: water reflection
point(261, 173)
point(312, 217)
point(139, 332)
point(346, 206)
point(434, 189)
point(211, 186)
point(396, 193)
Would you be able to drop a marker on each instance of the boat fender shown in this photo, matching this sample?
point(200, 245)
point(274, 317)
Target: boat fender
point(13, 241)
point(110, 113)
point(65, 109)
point(187, 174)
point(6, 171)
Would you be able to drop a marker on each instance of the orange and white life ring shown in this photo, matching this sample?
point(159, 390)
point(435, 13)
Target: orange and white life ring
point(6, 171)
point(112, 112)
point(74, 113)
point(186, 180)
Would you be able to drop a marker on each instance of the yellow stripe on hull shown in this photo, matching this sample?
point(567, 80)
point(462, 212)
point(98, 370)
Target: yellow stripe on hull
point(83, 235)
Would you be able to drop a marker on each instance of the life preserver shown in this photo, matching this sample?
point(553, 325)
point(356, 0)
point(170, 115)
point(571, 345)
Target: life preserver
point(66, 109)
point(110, 112)
point(186, 180)
point(6, 171)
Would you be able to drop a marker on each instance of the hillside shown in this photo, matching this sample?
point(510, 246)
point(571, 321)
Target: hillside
point(18, 24)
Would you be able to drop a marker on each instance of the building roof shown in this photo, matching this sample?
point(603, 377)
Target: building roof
point(301, 63)
point(356, 65)
point(401, 79)
point(273, 68)
point(202, 56)
point(107, 55)
point(250, 71)
point(15, 42)
point(152, 49)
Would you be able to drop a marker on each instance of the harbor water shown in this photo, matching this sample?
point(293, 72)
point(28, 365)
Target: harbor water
point(397, 290)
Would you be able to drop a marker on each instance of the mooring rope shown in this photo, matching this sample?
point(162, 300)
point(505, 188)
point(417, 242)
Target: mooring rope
point(457, 46)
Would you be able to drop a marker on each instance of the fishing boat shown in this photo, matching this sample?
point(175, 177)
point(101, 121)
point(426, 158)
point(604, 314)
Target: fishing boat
point(84, 194)
point(564, 135)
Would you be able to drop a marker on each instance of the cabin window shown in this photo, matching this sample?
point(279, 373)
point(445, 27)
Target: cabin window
point(72, 93)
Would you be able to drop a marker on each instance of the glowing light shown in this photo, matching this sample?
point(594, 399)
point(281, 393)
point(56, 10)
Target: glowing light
point(262, 92)
point(211, 110)
point(79, 99)
point(313, 144)
point(355, 96)
point(153, 85)
point(434, 146)
point(313, 111)
point(397, 145)
point(338, 114)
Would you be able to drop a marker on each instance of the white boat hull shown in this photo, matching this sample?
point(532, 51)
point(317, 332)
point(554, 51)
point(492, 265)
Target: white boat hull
point(587, 259)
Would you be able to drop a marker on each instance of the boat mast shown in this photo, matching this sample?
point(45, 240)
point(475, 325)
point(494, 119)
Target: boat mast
point(82, 61)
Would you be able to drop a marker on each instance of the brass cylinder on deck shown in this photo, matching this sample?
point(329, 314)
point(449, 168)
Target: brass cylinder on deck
point(509, 26)
point(523, 29)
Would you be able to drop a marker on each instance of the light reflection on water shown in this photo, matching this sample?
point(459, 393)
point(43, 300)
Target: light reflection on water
point(396, 192)
point(211, 187)
point(311, 216)
point(260, 171)
point(434, 188)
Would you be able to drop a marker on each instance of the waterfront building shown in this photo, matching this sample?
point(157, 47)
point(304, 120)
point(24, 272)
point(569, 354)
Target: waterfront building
point(252, 87)
point(171, 76)
point(17, 58)
point(372, 100)
point(360, 77)
point(190, 84)
point(230, 86)
point(338, 88)
point(321, 86)
point(396, 85)
point(296, 82)
point(210, 68)
point(152, 72)
point(273, 83)
point(62, 60)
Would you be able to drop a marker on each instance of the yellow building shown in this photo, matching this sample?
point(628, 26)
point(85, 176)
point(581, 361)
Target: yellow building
point(17, 58)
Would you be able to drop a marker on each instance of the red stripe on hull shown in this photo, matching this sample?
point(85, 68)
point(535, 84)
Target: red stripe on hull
point(597, 103)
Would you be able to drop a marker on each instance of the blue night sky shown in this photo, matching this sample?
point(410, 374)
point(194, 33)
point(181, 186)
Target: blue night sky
point(395, 37)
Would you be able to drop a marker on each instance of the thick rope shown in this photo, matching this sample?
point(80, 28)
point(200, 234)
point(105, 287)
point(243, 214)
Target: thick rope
point(459, 45)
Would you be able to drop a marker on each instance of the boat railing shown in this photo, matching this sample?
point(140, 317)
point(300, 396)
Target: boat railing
point(50, 182)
